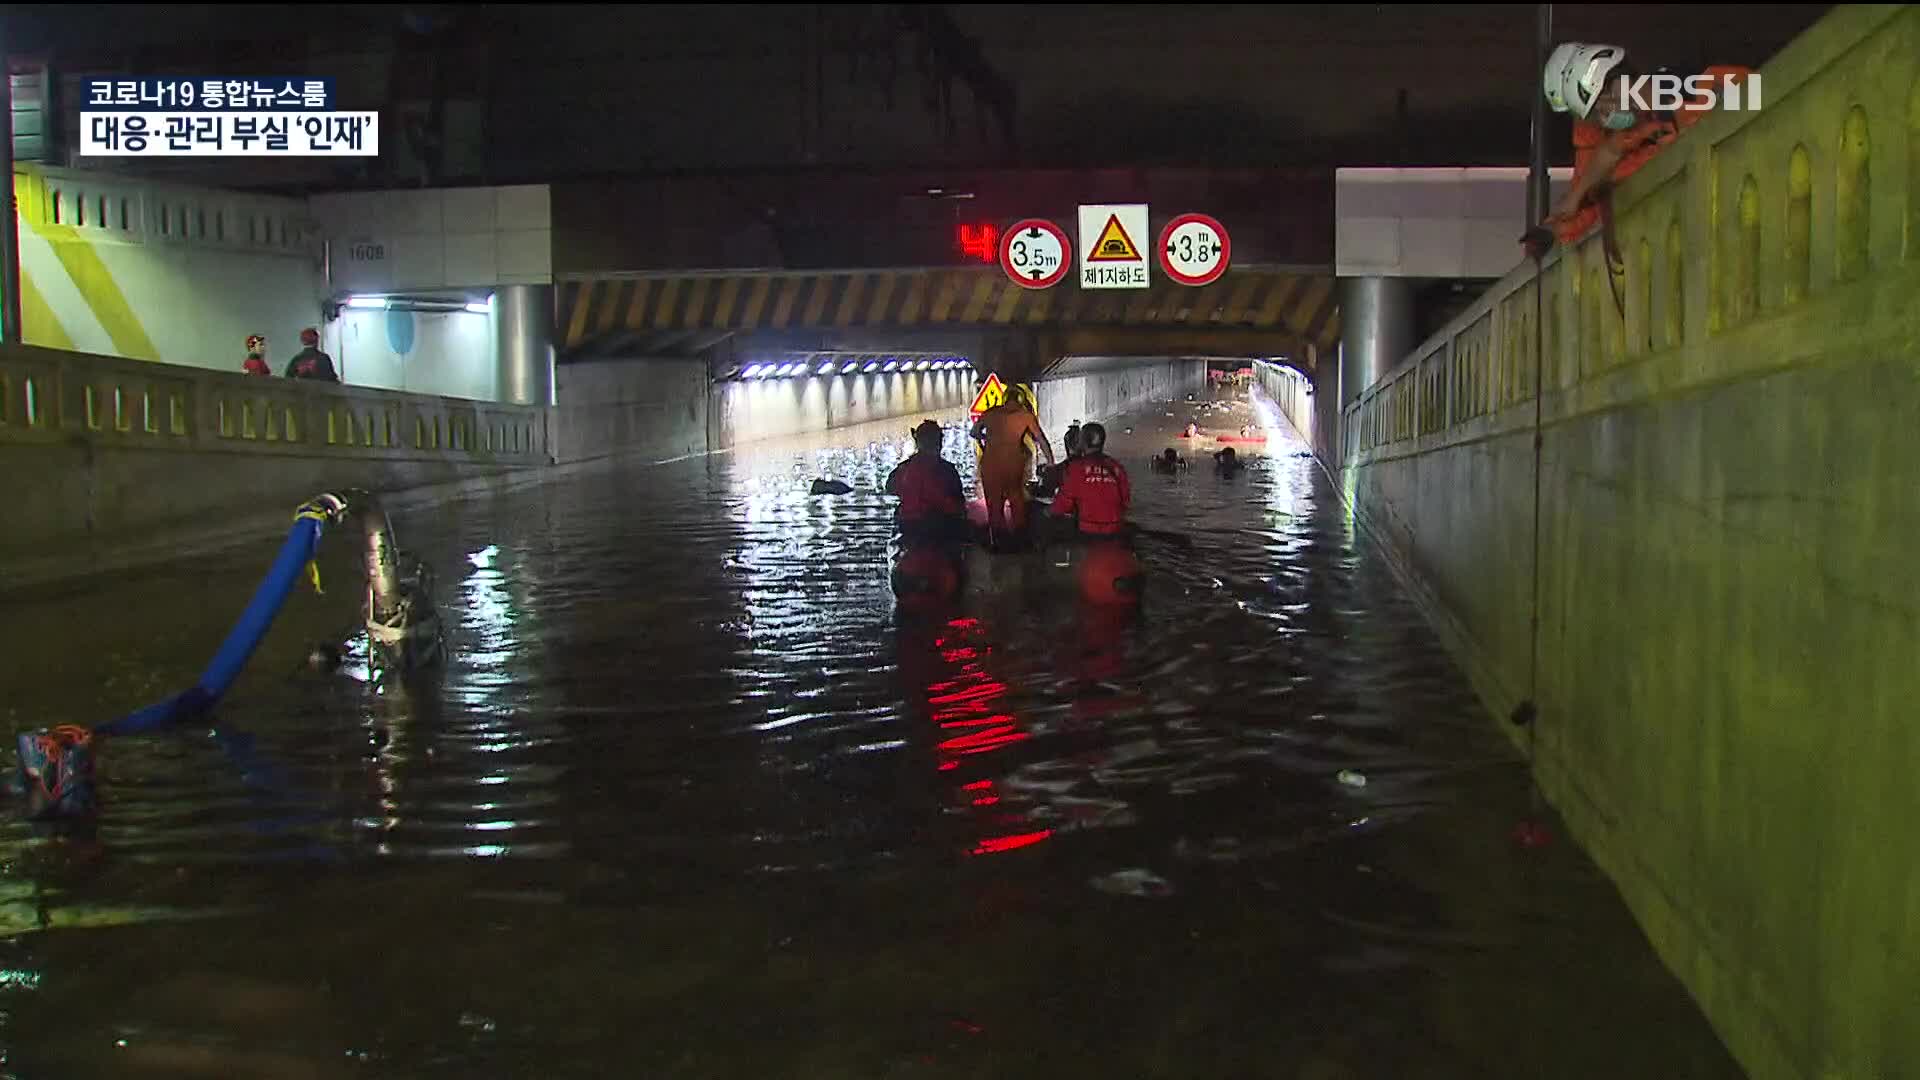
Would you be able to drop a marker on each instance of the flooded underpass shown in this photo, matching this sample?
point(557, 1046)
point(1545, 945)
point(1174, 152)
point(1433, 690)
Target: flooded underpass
point(692, 799)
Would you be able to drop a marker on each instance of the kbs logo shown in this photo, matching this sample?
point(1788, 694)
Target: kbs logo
point(1668, 93)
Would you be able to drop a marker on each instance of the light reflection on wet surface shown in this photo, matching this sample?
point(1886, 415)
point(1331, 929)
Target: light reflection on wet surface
point(692, 800)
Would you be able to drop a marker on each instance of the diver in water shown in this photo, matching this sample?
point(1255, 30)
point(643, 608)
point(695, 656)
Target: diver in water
point(1048, 484)
point(1072, 441)
point(1227, 463)
point(1169, 462)
point(1094, 488)
point(932, 502)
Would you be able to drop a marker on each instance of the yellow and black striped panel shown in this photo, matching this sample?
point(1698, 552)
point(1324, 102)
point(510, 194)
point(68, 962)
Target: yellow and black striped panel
point(1302, 304)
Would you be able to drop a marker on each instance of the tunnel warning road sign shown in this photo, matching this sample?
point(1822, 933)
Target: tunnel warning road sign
point(1036, 253)
point(991, 394)
point(1194, 249)
point(1110, 253)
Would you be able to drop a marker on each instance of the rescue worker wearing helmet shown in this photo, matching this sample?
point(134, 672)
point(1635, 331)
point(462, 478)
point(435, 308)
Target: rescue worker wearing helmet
point(311, 363)
point(1005, 460)
point(1094, 488)
point(932, 502)
point(1612, 136)
point(256, 361)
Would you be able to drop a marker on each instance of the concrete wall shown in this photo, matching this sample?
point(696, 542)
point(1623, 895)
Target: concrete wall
point(1292, 391)
point(445, 238)
point(766, 408)
point(108, 461)
point(1726, 579)
point(149, 271)
point(448, 353)
point(1432, 223)
point(1098, 388)
point(654, 407)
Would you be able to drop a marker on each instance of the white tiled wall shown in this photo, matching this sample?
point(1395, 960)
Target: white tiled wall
point(1431, 223)
point(453, 238)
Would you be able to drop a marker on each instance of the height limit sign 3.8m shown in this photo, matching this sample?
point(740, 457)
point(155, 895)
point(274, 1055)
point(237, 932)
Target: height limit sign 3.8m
point(1194, 249)
point(1113, 254)
point(1036, 254)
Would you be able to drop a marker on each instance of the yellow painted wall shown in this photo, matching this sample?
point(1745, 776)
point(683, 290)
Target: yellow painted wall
point(168, 273)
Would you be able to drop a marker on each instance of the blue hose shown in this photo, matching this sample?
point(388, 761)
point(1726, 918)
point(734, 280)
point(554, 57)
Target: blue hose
point(245, 636)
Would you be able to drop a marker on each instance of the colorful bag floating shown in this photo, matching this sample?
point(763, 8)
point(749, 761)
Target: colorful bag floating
point(56, 773)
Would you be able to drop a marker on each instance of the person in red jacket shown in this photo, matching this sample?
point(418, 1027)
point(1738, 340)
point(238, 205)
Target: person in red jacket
point(256, 362)
point(1094, 488)
point(932, 507)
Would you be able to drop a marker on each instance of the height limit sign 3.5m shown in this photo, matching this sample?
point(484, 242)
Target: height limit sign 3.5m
point(1036, 254)
point(1194, 249)
point(1113, 253)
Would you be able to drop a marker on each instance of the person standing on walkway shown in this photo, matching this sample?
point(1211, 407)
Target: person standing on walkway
point(311, 363)
point(256, 361)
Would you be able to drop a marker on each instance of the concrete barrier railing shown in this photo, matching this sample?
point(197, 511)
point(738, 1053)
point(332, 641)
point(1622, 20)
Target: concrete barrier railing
point(1711, 601)
point(49, 396)
point(1749, 218)
point(111, 462)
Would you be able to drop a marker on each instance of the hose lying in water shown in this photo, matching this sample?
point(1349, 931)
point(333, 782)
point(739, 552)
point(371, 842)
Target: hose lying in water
point(56, 767)
point(295, 555)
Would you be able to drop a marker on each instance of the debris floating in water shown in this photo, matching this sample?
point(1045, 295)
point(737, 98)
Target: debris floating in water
point(1351, 778)
point(831, 487)
point(1135, 882)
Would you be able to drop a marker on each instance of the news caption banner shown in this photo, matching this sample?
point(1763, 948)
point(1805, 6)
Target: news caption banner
point(277, 116)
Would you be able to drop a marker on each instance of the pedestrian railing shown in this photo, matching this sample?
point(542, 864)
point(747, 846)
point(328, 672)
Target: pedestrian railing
point(48, 395)
point(1758, 240)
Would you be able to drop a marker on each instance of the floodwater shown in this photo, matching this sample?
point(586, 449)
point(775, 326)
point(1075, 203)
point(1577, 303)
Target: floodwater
point(690, 799)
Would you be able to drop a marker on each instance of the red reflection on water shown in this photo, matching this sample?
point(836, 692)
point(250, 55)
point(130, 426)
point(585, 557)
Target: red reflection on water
point(993, 845)
point(949, 670)
point(980, 742)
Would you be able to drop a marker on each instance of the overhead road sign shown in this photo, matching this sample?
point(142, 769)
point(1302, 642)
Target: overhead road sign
point(1111, 256)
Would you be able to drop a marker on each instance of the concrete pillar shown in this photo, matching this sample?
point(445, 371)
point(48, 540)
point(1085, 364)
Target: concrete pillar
point(523, 329)
point(1376, 330)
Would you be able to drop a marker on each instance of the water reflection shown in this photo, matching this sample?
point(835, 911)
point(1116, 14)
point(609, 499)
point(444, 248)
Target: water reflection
point(693, 798)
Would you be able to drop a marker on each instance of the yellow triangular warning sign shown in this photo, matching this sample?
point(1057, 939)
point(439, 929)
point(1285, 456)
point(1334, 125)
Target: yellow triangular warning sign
point(1114, 244)
point(991, 394)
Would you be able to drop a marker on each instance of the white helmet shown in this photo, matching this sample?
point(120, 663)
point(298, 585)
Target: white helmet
point(1577, 72)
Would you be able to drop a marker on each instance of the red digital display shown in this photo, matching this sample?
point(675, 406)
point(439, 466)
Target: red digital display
point(981, 242)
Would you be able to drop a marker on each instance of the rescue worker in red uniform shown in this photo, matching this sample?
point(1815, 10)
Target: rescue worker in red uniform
point(932, 520)
point(256, 362)
point(311, 363)
point(1094, 487)
point(1003, 432)
point(932, 502)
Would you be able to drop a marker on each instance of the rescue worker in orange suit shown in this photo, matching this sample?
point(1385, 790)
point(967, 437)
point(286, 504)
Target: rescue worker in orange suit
point(256, 362)
point(1004, 460)
point(311, 363)
point(1611, 139)
point(932, 502)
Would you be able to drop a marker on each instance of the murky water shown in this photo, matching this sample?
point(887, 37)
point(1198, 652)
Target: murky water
point(691, 800)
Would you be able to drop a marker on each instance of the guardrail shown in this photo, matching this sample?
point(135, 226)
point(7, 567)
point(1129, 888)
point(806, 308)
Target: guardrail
point(51, 396)
point(1749, 234)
